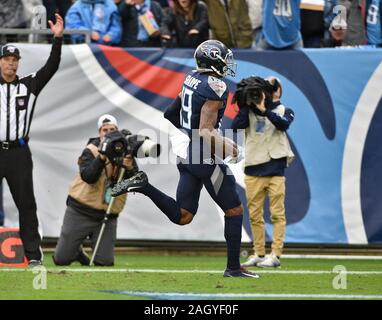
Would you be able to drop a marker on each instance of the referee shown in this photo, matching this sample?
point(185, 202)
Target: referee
point(17, 102)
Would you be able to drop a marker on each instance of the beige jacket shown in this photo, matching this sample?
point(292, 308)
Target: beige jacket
point(263, 141)
point(92, 195)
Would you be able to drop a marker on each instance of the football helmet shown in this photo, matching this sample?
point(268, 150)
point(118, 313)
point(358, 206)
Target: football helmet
point(214, 56)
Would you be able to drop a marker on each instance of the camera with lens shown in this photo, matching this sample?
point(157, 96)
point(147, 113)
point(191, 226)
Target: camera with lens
point(118, 144)
point(250, 92)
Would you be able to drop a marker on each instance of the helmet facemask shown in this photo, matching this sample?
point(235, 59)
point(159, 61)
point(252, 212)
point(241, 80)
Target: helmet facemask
point(230, 64)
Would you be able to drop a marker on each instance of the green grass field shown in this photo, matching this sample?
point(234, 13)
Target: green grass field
point(194, 277)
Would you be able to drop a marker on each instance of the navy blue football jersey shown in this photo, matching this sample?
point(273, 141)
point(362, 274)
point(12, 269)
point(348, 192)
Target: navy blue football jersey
point(197, 88)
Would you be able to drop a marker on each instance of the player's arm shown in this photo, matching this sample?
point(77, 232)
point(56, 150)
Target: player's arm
point(220, 146)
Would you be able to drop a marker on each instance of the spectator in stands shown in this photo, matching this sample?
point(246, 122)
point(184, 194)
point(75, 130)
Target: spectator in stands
point(165, 4)
point(373, 18)
point(329, 15)
point(337, 33)
point(101, 17)
point(88, 201)
point(230, 23)
point(316, 16)
point(255, 14)
point(364, 22)
point(56, 6)
point(12, 15)
point(186, 25)
point(281, 25)
point(141, 23)
point(356, 33)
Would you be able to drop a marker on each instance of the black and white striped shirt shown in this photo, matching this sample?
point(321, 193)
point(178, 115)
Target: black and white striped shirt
point(18, 98)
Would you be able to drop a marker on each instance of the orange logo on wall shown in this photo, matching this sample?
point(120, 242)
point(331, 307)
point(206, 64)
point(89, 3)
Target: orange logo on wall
point(11, 248)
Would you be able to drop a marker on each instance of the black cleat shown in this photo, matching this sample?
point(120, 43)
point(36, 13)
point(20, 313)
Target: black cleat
point(133, 184)
point(240, 273)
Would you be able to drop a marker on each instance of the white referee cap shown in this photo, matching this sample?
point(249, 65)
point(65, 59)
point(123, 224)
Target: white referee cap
point(106, 119)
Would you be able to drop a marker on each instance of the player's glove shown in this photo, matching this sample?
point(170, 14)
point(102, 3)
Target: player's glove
point(240, 156)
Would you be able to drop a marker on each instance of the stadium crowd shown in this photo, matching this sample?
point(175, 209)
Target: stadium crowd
point(271, 24)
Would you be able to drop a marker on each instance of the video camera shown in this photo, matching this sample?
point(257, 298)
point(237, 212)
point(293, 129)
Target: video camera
point(250, 91)
point(118, 144)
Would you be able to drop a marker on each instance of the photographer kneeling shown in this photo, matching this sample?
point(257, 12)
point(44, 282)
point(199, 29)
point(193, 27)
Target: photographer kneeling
point(267, 154)
point(88, 199)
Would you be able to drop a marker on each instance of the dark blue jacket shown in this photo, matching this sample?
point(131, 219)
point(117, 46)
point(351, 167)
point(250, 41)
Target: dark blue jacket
point(130, 25)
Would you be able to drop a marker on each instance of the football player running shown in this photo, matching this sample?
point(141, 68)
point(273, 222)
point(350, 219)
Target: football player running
point(198, 111)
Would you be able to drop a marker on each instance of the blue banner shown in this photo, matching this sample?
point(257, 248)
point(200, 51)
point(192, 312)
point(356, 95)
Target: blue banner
point(334, 185)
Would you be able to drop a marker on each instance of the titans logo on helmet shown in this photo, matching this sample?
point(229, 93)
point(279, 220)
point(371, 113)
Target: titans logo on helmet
point(211, 52)
point(214, 53)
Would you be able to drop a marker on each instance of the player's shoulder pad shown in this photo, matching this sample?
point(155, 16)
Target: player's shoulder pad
point(218, 86)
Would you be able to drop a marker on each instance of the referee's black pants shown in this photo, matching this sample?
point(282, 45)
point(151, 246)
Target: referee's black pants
point(16, 167)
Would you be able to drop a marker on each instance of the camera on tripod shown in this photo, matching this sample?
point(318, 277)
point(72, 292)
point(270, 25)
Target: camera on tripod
point(118, 144)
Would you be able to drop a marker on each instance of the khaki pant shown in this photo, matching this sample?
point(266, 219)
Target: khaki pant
point(256, 190)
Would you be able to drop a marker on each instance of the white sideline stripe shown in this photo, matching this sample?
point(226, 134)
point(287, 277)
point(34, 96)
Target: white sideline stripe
point(248, 295)
point(328, 256)
point(84, 270)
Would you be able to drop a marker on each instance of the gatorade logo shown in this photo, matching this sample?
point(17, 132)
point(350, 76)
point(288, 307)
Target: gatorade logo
point(11, 249)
